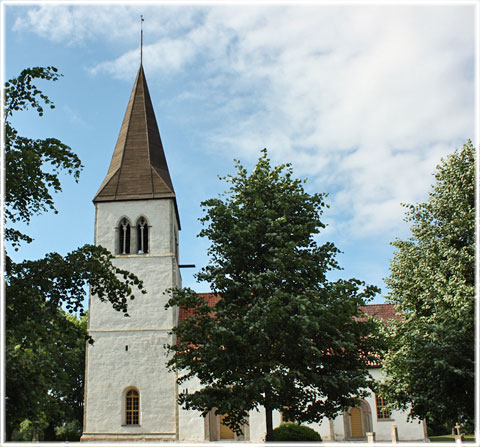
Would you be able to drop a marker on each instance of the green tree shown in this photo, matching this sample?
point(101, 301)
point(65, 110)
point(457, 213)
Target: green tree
point(43, 376)
point(58, 387)
point(282, 336)
point(430, 358)
point(32, 166)
point(70, 431)
point(31, 431)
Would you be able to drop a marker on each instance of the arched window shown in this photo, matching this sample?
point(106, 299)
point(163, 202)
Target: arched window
point(132, 407)
point(142, 235)
point(124, 237)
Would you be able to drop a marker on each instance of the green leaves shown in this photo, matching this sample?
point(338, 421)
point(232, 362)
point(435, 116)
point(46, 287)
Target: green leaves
point(281, 334)
point(40, 338)
point(21, 93)
point(32, 166)
point(44, 369)
point(45, 347)
point(61, 281)
point(430, 359)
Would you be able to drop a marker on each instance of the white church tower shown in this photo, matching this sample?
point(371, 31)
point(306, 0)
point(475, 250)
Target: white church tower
point(129, 395)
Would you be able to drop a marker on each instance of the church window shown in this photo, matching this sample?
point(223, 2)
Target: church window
point(132, 407)
point(142, 235)
point(124, 237)
point(382, 411)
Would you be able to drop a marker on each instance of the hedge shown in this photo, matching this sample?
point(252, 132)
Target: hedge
point(289, 431)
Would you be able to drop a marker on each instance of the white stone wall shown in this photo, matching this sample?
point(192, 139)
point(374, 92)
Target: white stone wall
point(337, 431)
point(159, 214)
point(112, 370)
point(193, 427)
point(258, 425)
point(129, 351)
point(146, 311)
point(407, 430)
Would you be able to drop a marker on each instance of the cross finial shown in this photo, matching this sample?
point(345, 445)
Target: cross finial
point(141, 39)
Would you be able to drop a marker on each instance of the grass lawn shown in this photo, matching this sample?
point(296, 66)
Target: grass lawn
point(450, 438)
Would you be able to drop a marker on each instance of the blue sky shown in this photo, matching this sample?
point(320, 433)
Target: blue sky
point(362, 99)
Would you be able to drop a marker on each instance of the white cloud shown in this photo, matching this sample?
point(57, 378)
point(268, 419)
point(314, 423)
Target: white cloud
point(74, 116)
point(115, 23)
point(364, 100)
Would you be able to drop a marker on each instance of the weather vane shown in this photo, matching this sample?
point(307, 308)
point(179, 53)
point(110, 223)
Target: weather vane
point(141, 39)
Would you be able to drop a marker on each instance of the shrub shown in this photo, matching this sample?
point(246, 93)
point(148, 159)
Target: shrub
point(69, 431)
point(31, 431)
point(289, 431)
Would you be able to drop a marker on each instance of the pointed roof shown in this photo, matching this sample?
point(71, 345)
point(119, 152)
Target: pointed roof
point(138, 169)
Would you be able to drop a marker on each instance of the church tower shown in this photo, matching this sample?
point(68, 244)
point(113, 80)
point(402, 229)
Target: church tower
point(129, 395)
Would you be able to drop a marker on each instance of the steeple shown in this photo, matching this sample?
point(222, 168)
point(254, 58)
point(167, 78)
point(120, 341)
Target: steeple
point(136, 219)
point(138, 169)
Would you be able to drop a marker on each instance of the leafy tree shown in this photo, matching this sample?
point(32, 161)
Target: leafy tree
point(70, 431)
point(44, 378)
point(430, 357)
point(31, 431)
point(32, 166)
point(58, 392)
point(282, 336)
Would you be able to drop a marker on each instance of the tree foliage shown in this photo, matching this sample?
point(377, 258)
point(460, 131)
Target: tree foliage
point(282, 335)
point(45, 372)
point(45, 346)
point(430, 357)
point(32, 166)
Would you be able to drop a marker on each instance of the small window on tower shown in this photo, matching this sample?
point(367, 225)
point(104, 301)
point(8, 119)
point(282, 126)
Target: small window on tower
point(142, 235)
point(132, 407)
point(124, 237)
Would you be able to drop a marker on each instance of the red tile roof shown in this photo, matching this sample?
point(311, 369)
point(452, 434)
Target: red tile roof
point(381, 311)
point(210, 298)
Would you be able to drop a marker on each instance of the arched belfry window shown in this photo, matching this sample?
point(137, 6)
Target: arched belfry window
point(124, 237)
point(142, 235)
point(132, 407)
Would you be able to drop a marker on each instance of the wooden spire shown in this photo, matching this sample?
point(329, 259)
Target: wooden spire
point(138, 169)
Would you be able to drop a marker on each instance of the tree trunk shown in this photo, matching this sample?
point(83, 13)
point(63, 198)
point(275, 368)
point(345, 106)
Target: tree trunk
point(9, 432)
point(269, 422)
point(50, 433)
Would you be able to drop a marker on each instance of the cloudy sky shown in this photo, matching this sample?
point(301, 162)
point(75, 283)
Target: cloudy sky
point(362, 99)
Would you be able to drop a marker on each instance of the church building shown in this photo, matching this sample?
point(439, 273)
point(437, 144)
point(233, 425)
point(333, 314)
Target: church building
point(129, 393)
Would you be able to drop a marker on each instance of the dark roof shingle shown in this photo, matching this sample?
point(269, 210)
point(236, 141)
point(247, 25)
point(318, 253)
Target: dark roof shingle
point(138, 169)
